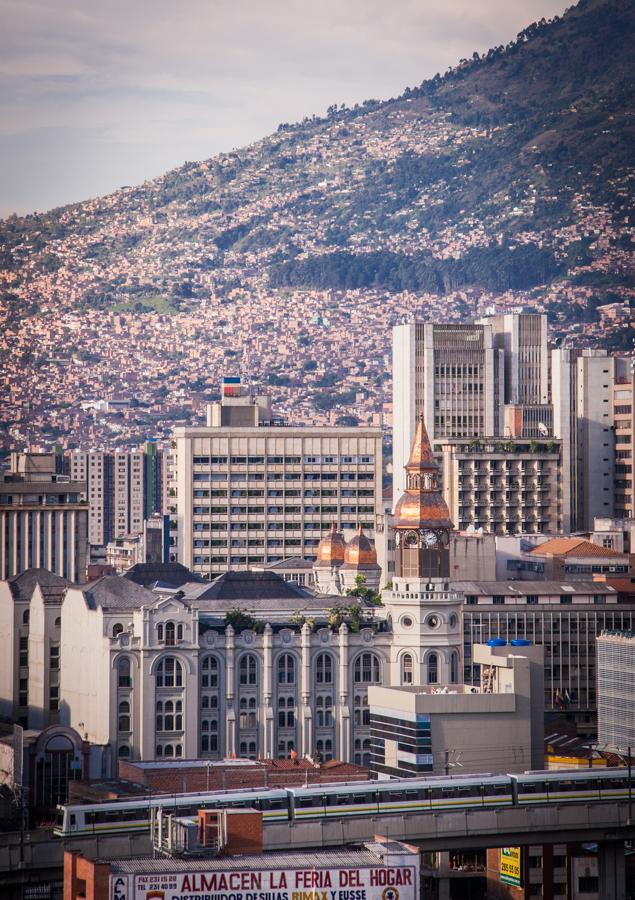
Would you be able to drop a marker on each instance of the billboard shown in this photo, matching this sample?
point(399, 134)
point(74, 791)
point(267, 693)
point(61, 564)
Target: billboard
point(510, 870)
point(371, 883)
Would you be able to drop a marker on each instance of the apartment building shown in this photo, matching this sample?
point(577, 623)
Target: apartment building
point(124, 488)
point(504, 487)
point(43, 518)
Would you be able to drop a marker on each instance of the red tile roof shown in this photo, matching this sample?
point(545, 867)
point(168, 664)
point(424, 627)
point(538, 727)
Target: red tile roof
point(561, 546)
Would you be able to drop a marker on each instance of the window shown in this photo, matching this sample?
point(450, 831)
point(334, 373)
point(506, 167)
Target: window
point(286, 712)
point(160, 633)
point(247, 669)
point(117, 629)
point(124, 752)
point(497, 600)
point(454, 667)
point(324, 669)
point(367, 669)
point(179, 632)
point(124, 679)
point(433, 668)
point(286, 669)
point(123, 722)
point(25, 617)
point(209, 672)
point(169, 673)
point(170, 639)
point(406, 669)
point(54, 658)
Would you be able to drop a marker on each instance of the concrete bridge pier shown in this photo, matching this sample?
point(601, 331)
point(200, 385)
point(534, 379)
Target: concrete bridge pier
point(612, 870)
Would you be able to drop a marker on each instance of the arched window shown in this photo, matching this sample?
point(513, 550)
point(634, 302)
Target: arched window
point(168, 750)
point(319, 714)
point(159, 716)
point(179, 632)
point(117, 628)
point(25, 617)
point(286, 712)
point(406, 669)
point(328, 711)
point(169, 634)
point(367, 669)
point(454, 667)
point(247, 669)
point(124, 752)
point(433, 668)
point(209, 672)
point(160, 633)
point(58, 622)
point(124, 679)
point(179, 750)
point(158, 750)
point(178, 718)
point(169, 673)
point(123, 722)
point(324, 669)
point(286, 669)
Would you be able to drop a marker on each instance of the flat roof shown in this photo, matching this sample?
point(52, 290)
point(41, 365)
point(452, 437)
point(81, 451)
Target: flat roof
point(327, 859)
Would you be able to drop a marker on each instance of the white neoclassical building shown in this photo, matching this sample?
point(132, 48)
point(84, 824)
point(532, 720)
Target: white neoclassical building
point(255, 666)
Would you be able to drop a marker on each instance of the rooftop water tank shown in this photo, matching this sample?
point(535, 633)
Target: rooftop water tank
point(496, 642)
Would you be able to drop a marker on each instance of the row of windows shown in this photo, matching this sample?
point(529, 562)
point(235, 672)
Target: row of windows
point(280, 460)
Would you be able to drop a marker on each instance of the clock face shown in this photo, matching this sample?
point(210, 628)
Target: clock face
point(429, 538)
point(411, 539)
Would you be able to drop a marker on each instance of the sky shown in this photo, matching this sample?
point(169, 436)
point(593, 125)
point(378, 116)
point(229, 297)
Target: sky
point(95, 94)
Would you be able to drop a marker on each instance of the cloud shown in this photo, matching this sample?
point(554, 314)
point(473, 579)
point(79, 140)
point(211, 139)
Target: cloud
point(163, 81)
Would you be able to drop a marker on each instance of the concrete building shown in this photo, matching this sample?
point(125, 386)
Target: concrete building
point(450, 374)
point(616, 689)
point(497, 726)
point(571, 558)
point(523, 339)
point(472, 552)
point(124, 487)
point(624, 425)
point(253, 494)
point(43, 518)
point(503, 487)
point(30, 634)
point(563, 617)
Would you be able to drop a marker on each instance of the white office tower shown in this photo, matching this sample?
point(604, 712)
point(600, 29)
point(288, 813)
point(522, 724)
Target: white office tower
point(616, 689)
point(523, 339)
point(450, 374)
point(583, 390)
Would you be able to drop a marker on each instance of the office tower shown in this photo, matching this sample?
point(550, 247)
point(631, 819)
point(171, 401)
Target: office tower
point(564, 617)
point(43, 518)
point(503, 486)
point(453, 375)
point(523, 339)
point(583, 402)
point(616, 689)
point(623, 423)
point(251, 494)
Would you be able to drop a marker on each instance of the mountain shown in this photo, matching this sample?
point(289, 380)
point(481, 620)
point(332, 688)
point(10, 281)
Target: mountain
point(508, 179)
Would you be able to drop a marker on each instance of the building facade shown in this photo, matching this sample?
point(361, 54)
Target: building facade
point(564, 618)
point(43, 518)
point(504, 487)
point(616, 690)
point(245, 496)
point(450, 374)
point(624, 425)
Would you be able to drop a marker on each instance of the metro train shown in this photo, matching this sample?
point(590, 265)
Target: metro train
point(357, 798)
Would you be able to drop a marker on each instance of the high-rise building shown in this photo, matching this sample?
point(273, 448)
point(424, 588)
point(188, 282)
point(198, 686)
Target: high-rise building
point(124, 487)
point(450, 374)
point(616, 689)
point(583, 403)
point(43, 518)
point(624, 425)
point(248, 494)
point(523, 339)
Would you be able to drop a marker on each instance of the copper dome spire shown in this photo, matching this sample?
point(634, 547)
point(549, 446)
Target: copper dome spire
point(332, 547)
point(422, 505)
point(360, 550)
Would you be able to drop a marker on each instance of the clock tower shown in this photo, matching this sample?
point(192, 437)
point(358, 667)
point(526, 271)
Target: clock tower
point(426, 614)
